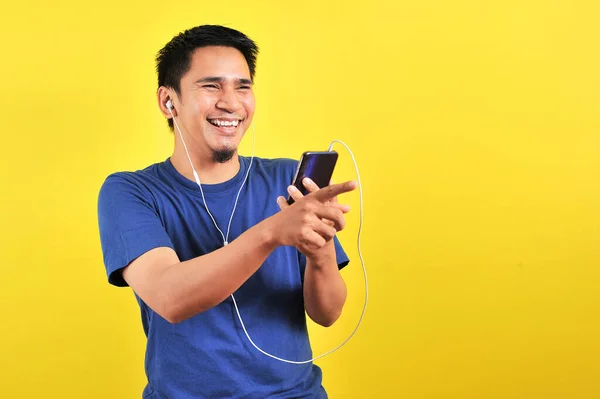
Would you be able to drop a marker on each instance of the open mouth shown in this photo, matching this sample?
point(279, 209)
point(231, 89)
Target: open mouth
point(225, 123)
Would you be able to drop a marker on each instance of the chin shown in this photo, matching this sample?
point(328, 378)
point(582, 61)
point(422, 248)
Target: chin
point(223, 155)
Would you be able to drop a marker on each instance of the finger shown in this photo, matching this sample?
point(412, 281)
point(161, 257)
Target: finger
point(313, 240)
point(295, 193)
point(310, 185)
point(329, 192)
point(328, 222)
point(334, 199)
point(308, 248)
point(343, 208)
point(335, 215)
point(324, 230)
point(282, 202)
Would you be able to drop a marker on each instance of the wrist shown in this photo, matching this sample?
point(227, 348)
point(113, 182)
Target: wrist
point(322, 256)
point(268, 236)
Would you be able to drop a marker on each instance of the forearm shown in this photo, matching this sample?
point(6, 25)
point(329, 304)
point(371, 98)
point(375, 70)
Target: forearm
point(201, 283)
point(324, 288)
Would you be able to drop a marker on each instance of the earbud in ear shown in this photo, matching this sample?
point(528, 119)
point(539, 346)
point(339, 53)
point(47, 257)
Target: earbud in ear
point(169, 104)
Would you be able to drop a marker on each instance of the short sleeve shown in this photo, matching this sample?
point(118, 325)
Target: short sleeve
point(129, 224)
point(340, 254)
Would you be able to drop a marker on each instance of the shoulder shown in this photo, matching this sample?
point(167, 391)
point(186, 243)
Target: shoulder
point(128, 183)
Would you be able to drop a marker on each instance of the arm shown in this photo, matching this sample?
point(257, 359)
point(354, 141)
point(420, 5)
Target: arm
point(179, 290)
point(324, 288)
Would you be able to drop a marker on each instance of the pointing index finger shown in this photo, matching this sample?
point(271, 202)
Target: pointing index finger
point(329, 192)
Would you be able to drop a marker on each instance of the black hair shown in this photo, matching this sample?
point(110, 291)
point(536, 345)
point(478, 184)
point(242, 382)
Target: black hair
point(174, 60)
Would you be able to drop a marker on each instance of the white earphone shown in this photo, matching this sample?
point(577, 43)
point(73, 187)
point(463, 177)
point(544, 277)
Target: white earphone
point(225, 237)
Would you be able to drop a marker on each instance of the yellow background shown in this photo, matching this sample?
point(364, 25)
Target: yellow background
point(476, 128)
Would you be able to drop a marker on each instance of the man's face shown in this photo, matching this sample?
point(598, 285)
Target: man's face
point(216, 101)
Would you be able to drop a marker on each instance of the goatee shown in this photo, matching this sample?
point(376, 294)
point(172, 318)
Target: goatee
point(222, 156)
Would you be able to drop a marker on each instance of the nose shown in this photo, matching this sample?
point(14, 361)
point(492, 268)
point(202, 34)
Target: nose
point(229, 101)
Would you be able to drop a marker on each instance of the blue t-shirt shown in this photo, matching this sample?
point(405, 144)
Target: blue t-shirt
point(208, 355)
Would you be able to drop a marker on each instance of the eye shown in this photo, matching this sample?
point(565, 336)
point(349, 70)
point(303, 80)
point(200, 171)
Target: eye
point(211, 86)
point(244, 88)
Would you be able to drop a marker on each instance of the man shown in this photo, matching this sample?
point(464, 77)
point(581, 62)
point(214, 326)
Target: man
point(184, 247)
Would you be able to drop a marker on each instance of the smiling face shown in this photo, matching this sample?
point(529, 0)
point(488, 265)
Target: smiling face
point(216, 104)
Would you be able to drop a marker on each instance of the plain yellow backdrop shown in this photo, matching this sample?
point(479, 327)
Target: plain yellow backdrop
point(476, 127)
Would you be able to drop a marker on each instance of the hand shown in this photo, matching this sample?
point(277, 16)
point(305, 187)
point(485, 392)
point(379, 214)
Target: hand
point(314, 219)
point(312, 187)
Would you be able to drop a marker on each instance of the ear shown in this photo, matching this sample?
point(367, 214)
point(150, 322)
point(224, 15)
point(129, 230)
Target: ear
point(163, 95)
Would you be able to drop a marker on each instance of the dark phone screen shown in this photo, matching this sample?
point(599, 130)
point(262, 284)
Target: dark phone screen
point(318, 166)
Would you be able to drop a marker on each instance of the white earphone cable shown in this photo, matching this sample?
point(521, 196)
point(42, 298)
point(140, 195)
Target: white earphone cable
point(226, 237)
point(364, 309)
point(197, 178)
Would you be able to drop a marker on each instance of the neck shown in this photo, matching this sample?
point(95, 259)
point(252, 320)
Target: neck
point(209, 171)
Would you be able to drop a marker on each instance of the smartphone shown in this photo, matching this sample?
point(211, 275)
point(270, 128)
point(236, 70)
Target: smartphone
point(317, 166)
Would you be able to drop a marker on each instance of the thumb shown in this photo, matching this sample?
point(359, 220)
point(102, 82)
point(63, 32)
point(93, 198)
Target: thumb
point(282, 202)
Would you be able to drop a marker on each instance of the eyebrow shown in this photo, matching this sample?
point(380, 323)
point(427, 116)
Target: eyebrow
point(220, 79)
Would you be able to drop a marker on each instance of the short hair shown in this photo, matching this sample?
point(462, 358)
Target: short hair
point(174, 59)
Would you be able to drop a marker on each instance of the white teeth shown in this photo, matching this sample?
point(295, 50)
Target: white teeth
point(218, 122)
